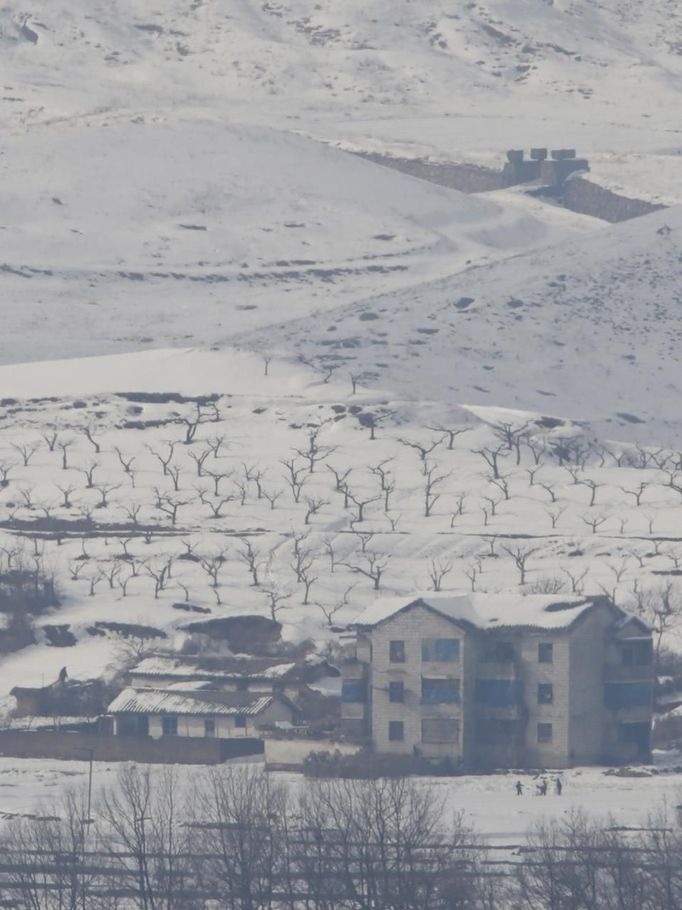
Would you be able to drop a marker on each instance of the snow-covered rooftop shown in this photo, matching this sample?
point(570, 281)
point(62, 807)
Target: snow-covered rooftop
point(179, 668)
point(485, 611)
point(155, 701)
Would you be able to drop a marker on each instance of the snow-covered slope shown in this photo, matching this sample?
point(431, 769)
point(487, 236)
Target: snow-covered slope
point(588, 329)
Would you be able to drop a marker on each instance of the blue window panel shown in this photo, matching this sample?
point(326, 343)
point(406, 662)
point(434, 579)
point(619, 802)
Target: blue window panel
point(440, 649)
point(498, 693)
point(628, 695)
point(353, 690)
point(440, 692)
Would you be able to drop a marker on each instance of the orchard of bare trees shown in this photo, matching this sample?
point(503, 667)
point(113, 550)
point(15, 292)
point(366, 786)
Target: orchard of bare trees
point(346, 502)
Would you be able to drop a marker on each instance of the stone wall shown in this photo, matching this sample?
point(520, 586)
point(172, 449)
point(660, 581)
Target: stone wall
point(587, 198)
point(169, 750)
point(467, 178)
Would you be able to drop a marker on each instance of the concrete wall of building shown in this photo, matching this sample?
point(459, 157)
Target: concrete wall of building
point(534, 673)
point(412, 627)
point(224, 726)
point(586, 687)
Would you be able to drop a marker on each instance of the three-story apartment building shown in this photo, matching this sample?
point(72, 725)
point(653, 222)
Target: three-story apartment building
point(503, 681)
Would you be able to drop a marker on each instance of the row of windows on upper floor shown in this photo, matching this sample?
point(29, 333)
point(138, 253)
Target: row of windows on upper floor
point(447, 650)
point(497, 693)
point(440, 730)
point(636, 653)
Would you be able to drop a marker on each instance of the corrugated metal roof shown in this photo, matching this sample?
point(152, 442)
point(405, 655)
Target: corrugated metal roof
point(163, 701)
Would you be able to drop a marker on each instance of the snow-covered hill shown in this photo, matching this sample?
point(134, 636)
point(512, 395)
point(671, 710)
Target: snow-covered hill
point(588, 329)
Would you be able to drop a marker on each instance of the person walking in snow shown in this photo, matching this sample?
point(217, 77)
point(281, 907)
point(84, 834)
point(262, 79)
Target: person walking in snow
point(519, 788)
point(558, 786)
point(542, 789)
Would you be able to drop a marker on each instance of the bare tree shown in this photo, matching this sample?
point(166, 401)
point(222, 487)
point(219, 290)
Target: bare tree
point(431, 482)
point(313, 506)
point(66, 492)
point(330, 610)
point(126, 461)
point(450, 432)
point(89, 434)
point(437, 572)
point(422, 449)
point(373, 567)
point(203, 413)
point(492, 458)
point(314, 452)
point(27, 450)
point(89, 473)
point(554, 515)
point(213, 564)
point(253, 559)
point(215, 506)
point(164, 458)
point(360, 505)
point(65, 444)
point(576, 579)
point(104, 489)
point(638, 492)
point(295, 476)
point(521, 555)
point(199, 458)
point(275, 597)
point(168, 504)
point(595, 521)
point(593, 486)
point(272, 496)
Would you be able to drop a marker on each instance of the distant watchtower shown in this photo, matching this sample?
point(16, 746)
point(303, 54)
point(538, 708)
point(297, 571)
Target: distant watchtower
point(549, 168)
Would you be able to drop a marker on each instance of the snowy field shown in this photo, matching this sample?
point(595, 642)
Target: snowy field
point(488, 802)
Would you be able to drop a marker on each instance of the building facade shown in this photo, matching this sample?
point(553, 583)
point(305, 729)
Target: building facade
point(494, 681)
point(203, 713)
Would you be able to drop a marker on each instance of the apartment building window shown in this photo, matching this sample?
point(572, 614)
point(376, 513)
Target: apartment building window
point(352, 691)
point(499, 693)
point(445, 650)
point(396, 731)
point(169, 725)
point(440, 691)
point(627, 695)
point(396, 691)
point(545, 693)
point(500, 652)
point(545, 733)
point(546, 652)
point(396, 652)
point(636, 653)
point(209, 727)
point(440, 730)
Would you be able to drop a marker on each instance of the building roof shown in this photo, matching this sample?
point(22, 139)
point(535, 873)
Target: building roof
point(489, 611)
point(163, 701)
point(180, 668)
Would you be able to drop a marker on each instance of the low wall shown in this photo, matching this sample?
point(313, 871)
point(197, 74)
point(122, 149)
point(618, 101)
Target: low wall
point(291, 753)
point(587, 198)
point(467, 178)
point(169, 750)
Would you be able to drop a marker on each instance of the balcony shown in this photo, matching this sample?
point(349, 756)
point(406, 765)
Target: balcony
point(622, 673)
point(502, 669)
